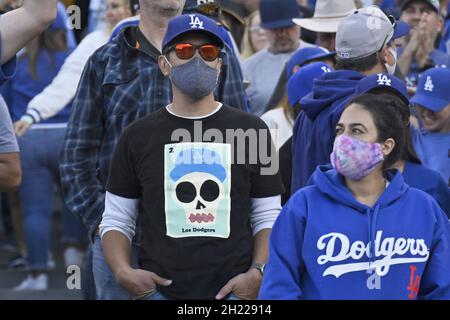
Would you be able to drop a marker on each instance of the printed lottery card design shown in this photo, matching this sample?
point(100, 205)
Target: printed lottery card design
point(197, 184)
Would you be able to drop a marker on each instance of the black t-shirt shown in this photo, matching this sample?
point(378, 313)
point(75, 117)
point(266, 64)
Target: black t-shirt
point(196, 201)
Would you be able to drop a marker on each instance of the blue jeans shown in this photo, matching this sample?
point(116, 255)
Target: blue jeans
point(40, 150)
point(106, 285)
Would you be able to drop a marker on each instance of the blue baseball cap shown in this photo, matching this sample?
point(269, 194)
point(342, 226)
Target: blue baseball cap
point(194, 22)
point(301, 83)
point(401, 29)
point(383, 80)
point(198, 160)
point(433, 90)
point(303, 56)
point(278, 14)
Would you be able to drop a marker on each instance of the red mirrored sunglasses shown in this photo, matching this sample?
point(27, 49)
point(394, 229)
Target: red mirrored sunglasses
point(186, 51)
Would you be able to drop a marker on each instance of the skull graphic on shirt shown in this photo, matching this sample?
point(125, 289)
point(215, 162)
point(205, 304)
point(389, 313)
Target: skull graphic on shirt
point(199, 194)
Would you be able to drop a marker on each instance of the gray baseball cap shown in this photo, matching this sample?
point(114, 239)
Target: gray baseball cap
point(363, 33)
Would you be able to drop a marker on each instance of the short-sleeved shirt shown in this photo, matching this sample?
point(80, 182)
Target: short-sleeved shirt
point(263, 70)
point(196, 202)
point(433, 150)
point(8, 141)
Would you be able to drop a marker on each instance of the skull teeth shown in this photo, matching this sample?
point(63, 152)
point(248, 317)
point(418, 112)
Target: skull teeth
point(201, 218)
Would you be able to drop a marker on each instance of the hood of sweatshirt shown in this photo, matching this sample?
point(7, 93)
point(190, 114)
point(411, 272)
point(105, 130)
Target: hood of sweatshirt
point(328, 89)
point(331, 183)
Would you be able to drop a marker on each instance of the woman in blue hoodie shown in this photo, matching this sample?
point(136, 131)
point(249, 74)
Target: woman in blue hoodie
point(360, 232)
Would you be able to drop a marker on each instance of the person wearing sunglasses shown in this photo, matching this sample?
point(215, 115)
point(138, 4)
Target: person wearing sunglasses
point(206, 215)
point(121, 83)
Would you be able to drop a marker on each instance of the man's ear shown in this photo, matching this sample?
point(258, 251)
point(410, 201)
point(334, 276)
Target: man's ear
point(441, 23)
point(163, 65)
point(385, 55)
point(387, 147)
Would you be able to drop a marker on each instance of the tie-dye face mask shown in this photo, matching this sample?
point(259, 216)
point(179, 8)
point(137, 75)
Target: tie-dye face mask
point(355, 159)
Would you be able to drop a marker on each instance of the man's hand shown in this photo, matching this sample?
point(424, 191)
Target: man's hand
point(21, 127)
point(409, 52)
point(139, 282)
point(426, 40)
point(245, 286)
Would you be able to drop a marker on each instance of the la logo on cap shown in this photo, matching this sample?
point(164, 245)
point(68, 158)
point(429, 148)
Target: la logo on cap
point(196, 23)
point(383, 80)
point(429, 86)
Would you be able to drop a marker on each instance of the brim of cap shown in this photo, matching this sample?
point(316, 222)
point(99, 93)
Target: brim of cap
point(406, 3)
point(401, 29)
point(320, 56)
point(430, 103)
point(327, 25)
point(277, 24)
point(392, 89)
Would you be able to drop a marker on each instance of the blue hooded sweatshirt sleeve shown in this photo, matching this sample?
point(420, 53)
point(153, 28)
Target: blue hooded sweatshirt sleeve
point(327, 245)
point(282, 276)
point(314, 129)
point(435, 283)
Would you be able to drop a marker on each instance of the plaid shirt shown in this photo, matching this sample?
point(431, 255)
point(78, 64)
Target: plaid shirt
point(119, 85)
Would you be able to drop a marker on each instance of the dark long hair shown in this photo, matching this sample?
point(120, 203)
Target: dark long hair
point(390, 119)
point(409, 152)
point(51, 41)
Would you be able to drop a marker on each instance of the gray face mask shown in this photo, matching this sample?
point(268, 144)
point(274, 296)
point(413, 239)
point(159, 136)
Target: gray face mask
point(194, 79)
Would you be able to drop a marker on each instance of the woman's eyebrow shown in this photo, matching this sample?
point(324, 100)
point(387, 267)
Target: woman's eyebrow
point(352, 125)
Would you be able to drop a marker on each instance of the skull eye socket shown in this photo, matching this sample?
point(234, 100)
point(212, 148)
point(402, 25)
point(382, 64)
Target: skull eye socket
point(209, 190)
point(186, 192)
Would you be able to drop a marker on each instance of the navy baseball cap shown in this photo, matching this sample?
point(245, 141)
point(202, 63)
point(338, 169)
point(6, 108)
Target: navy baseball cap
point(301, 83)
point(433, 90)
point(305, 55)
point(434, 4)
point(194, 22)
point(198, 160)
point(383, 80)
point(278, 14)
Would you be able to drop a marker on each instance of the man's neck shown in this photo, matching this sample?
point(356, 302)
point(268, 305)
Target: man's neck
point(183, 106)
point(375, 70)
point(154, 27)
point(274, 51)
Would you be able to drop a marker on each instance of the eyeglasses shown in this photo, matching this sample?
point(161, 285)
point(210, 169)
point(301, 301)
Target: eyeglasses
point(186, 51)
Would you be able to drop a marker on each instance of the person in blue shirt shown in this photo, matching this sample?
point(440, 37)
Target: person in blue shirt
point(40, 149)
point(432, 137)
point(360, 232)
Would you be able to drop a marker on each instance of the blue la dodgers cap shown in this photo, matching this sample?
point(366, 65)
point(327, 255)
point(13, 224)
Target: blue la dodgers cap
point(301, 83)
point(433, 90)
point(383, 80)
point(305, 55)
point(193, 22)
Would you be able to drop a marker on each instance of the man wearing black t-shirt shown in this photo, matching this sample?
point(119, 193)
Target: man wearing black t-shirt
point(208, 196)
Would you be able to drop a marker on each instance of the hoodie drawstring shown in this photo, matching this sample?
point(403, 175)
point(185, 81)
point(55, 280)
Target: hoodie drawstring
point(373, 221)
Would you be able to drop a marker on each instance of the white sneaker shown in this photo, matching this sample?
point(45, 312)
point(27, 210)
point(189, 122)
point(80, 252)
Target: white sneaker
point(30, 283)
point(73, 256)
